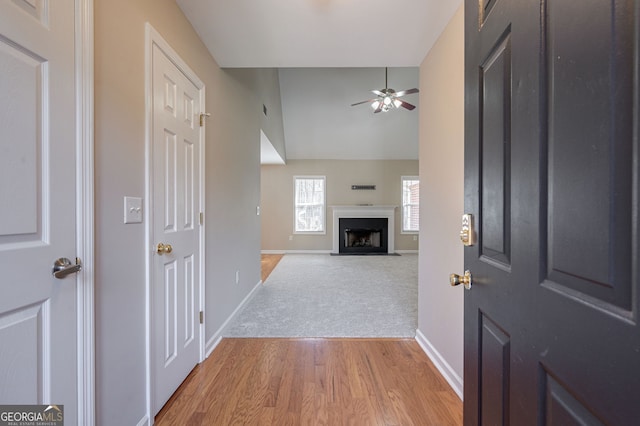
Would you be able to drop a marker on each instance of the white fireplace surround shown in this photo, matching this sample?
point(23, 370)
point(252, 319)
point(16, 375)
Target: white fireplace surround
point(387, 212)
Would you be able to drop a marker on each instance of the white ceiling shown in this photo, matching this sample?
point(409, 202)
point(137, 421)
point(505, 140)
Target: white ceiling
point(320, 34)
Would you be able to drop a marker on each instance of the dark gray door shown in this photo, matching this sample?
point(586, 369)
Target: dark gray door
point(551, 177)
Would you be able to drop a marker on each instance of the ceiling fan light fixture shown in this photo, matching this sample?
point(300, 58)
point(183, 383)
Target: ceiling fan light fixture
point(387, 98)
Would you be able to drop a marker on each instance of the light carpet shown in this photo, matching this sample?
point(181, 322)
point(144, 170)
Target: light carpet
point(310, 295)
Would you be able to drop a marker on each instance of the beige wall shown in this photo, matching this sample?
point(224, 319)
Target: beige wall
point(277, 197)
point(232, 185)
point(440, 307)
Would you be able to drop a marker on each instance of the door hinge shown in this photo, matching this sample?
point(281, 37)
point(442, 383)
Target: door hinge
point(203, 116)
point(201, 218)
point(201, 317)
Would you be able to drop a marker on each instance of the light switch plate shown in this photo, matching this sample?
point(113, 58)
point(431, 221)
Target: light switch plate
point(132, 210)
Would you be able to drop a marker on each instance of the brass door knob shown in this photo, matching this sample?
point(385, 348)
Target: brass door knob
point(466, 280)
point(164, 248)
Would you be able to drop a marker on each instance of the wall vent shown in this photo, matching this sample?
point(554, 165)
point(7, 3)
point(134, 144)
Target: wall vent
point(361, 187)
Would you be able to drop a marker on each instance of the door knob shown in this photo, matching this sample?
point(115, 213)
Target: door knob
point(63, 267)
point(466, 280)
point(164, 248)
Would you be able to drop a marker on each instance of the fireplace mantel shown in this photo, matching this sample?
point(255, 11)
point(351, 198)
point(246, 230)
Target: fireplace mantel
point(387, 212)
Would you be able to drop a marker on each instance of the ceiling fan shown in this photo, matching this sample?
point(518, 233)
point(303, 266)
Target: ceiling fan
point(388, 98)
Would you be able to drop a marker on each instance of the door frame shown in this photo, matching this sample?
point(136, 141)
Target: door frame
point(85, 217)
point(153, 37)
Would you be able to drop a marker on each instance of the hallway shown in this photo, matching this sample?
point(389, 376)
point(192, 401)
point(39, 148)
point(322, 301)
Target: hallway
point(314, 382)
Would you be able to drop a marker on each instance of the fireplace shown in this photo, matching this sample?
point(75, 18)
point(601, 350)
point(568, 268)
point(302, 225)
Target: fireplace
point(363, 235)
point(363, 229)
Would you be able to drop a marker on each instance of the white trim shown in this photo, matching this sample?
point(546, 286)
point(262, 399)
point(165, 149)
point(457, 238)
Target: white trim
point(153, 37)
point(295, 252)
point(307, 252)
point(402, 230)
point(324, 205)
point(203, 224)
point(449, 374)
point(143, 421)
point(322, 251)
point(217, 336)
point(85, 211)
point(148, 67)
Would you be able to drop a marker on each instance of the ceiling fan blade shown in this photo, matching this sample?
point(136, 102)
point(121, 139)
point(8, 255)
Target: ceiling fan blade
point(363, 102)
point(378, 92)
point(407, 92)
point(379, 108)
point(406, 105)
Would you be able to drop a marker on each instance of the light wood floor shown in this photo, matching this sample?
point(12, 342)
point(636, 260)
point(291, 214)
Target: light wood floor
point(314, 382)
point(268, 262)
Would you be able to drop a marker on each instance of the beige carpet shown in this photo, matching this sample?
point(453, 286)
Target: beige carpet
point(334, 296)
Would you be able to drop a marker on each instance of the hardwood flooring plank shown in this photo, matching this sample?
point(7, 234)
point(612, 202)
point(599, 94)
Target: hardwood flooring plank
point(314, 382)
point(267, 263)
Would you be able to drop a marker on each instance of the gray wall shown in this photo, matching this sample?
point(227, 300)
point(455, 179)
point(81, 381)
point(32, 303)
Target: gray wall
point(440, 307)
point(277, 197)
point(321, 124)
point(272, 123)
point(264, 86)
point(232, 184)
point(233, 189)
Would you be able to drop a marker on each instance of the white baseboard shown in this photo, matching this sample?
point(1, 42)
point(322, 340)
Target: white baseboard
point(217, 336)
point(212, 344)
point(144, 421)
point(454, 380)
point(323, 251)
point(296, 251)
point(308, 251)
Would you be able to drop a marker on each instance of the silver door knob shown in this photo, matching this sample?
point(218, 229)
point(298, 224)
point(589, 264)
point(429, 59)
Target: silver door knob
point(63, 267)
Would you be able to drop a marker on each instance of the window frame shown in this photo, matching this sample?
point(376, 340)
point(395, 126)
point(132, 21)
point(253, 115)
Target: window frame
point(324, 205)
point(403, 230)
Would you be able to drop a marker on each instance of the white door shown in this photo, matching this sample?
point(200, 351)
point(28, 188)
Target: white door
point(38, 328)
point(175, 224)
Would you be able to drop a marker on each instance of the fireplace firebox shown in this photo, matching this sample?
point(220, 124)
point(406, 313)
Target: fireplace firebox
point(363, 235)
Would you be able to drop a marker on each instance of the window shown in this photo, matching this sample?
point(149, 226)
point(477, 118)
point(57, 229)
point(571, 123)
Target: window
point(309, 204)
point(410, 204)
